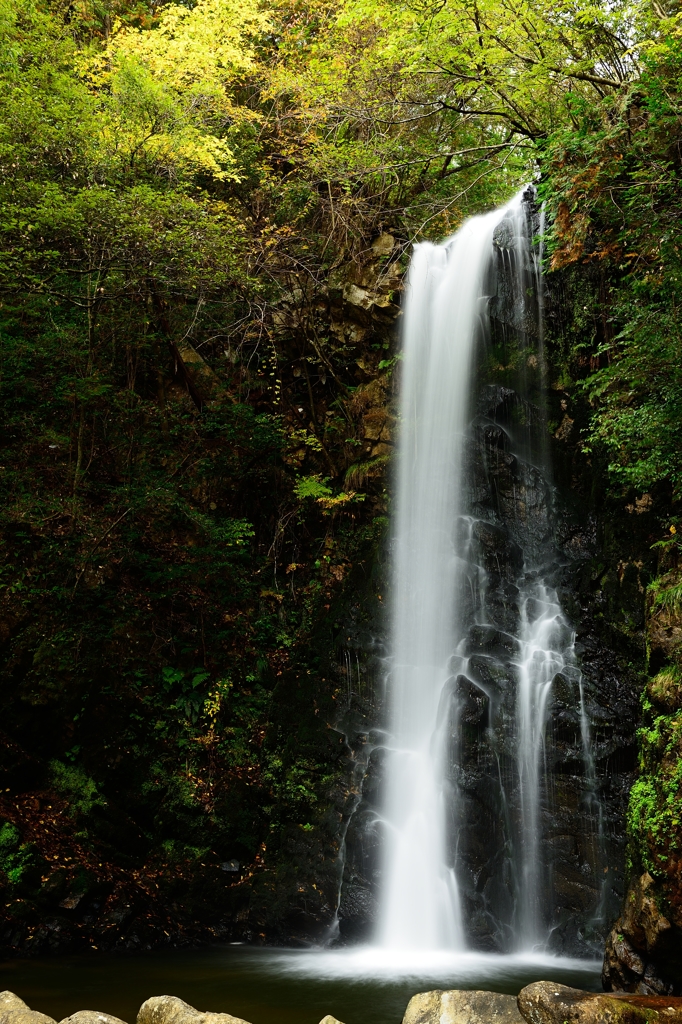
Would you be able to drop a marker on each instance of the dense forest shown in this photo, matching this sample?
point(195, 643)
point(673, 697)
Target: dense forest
point(207, 212)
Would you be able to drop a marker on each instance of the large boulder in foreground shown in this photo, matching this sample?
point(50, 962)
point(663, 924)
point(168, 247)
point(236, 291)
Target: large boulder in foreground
point(14, 1010)
point(545, 1002)
point(460, 1007)
point(25, 1017)
point(91, 1017)
point(171, 1010)
point(10, 1001)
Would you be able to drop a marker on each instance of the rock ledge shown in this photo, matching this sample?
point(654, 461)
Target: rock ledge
point(548, 1003)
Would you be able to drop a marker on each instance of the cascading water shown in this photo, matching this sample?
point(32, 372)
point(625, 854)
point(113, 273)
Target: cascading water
point(545, 651)
point(421, 904)
point(479, 638)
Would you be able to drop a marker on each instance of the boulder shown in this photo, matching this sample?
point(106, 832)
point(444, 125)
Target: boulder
point(22, 1015)
point(329, 1020)
point(8, 1001)
point(461, 1007)
point(14, 1010)
point(171, 1010)
point(545, 1002)
point(91, 1017)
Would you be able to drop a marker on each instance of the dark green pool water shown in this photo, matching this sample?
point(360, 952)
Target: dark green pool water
point(266, 986)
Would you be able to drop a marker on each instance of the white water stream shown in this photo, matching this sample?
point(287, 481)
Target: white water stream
point(420, 902)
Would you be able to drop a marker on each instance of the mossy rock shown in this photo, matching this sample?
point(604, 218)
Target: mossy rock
point(545, 1002)
point(665, 690)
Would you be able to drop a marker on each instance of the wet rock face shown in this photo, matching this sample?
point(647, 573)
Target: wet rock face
point(517, 560)
point(664, 628)
point(360, 836)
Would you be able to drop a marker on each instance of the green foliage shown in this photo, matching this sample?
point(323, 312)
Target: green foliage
point(667, 597)
point(297, 784)
point(312, 487)
point(654, 816)
point(15, 856)
point(439, 109)
point(76, 786)
point(613, 182)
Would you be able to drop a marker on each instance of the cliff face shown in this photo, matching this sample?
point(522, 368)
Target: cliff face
point(643, 948)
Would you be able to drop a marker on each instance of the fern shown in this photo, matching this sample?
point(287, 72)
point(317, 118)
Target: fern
point(669, 597)
point(359, 472)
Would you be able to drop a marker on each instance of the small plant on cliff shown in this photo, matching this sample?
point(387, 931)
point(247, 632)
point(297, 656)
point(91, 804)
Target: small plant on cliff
point(312, 487)
point(15, 856)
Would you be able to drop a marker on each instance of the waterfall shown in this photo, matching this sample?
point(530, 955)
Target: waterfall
point(442, 319)
point(477, 645)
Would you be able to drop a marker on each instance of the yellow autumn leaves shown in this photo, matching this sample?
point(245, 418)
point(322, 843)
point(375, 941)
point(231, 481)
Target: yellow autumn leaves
point(165, 96)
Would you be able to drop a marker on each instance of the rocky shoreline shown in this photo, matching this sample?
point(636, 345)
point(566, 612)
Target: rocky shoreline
point(543, 1002)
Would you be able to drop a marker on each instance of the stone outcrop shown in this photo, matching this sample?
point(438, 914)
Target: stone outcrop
point(462, 1007)
point(14, 1010)
point(644, 948)
point(172, 1010)
point(156, 1010)
point(545, 1002)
